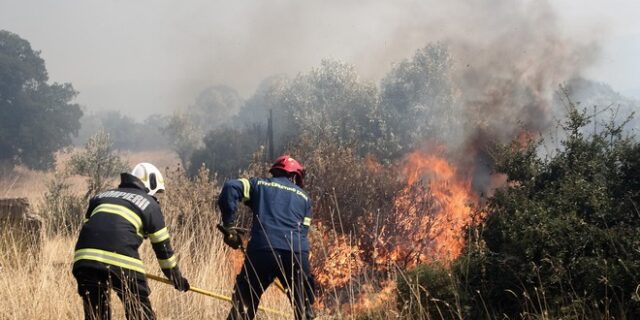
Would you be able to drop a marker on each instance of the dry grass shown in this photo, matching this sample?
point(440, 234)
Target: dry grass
point(37, 282)
point(24, 183)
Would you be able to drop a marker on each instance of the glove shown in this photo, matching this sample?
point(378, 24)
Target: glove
point(232, 236)
point(179, 282)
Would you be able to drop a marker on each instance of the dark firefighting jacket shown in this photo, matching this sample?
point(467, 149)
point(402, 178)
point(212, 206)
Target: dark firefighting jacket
point(116, 223)
point(281, 212)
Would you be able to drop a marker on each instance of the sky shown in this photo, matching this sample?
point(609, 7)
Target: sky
point(154, 56)
point(616, 23)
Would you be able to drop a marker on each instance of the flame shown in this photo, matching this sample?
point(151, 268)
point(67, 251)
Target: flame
point(373, 298)
point(431, 213)
point(427, 223)
point(337, 266)
point(419, 164)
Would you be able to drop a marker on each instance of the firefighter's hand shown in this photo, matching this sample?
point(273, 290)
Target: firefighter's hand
point(232, 237)
point(179, 282)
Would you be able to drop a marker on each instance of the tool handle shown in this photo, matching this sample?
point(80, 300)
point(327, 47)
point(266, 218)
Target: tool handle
point(212, 294)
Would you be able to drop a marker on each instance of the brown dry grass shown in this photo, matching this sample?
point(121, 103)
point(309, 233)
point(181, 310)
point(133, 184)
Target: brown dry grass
point(37, 283)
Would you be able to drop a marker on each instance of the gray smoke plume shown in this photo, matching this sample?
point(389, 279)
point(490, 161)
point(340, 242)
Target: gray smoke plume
point(154, 56)
point(510, 58)
point(508, 77)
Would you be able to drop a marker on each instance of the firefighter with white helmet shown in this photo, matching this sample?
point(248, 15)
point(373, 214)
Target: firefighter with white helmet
point(106, 254)
point(150, 177)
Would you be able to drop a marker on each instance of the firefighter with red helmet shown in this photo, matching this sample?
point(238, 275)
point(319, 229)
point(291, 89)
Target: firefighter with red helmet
point(279, 247)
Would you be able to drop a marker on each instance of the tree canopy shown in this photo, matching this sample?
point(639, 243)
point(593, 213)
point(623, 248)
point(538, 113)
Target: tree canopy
point(37, 118)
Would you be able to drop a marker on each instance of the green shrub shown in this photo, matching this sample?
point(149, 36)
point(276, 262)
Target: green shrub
point(429, 291)
point(61, 209)
point(561, 241)
point(99, 163)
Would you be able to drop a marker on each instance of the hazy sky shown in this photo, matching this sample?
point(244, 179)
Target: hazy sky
point(146, 56)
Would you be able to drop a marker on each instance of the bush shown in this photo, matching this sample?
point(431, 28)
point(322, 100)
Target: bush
point(61, 209)
point(562, 239)
point(98, 163)
point(227, 151)
point(429, 291)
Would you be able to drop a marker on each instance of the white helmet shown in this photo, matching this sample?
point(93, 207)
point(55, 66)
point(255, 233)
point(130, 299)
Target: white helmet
point(150, 176)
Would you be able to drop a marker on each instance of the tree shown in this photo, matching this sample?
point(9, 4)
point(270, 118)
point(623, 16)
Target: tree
point(184, 136)
point(417, 98)
point(328, 104)
point(227, 150)
point(213, 107)
point(98, 162)
point(125, 132)
point(37, 118)
point(267, 97)
point(331, 103)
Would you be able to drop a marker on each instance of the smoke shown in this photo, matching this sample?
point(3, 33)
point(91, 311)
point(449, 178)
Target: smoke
point(507, 80)
point(155, 56)
point(510, 55)
point(510, 58)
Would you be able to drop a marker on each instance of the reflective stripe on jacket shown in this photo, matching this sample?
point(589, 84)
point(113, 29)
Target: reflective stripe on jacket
point(281, 212)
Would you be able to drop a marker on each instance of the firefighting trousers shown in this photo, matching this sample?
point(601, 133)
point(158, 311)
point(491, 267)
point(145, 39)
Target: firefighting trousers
point(260, 269)
point(94, 287)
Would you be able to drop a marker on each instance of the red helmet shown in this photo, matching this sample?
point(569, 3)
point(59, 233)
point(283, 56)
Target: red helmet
point(289, 165)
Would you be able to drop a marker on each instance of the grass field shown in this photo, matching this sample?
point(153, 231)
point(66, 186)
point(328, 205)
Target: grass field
point(37, 281)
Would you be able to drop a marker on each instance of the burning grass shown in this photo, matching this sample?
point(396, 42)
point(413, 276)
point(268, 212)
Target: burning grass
point(375, 221)
point(372, 222)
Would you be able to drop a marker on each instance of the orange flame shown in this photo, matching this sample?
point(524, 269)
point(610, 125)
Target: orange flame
point(427, 223)
point(373, 298)
point(432, 212)
point(337, 266)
